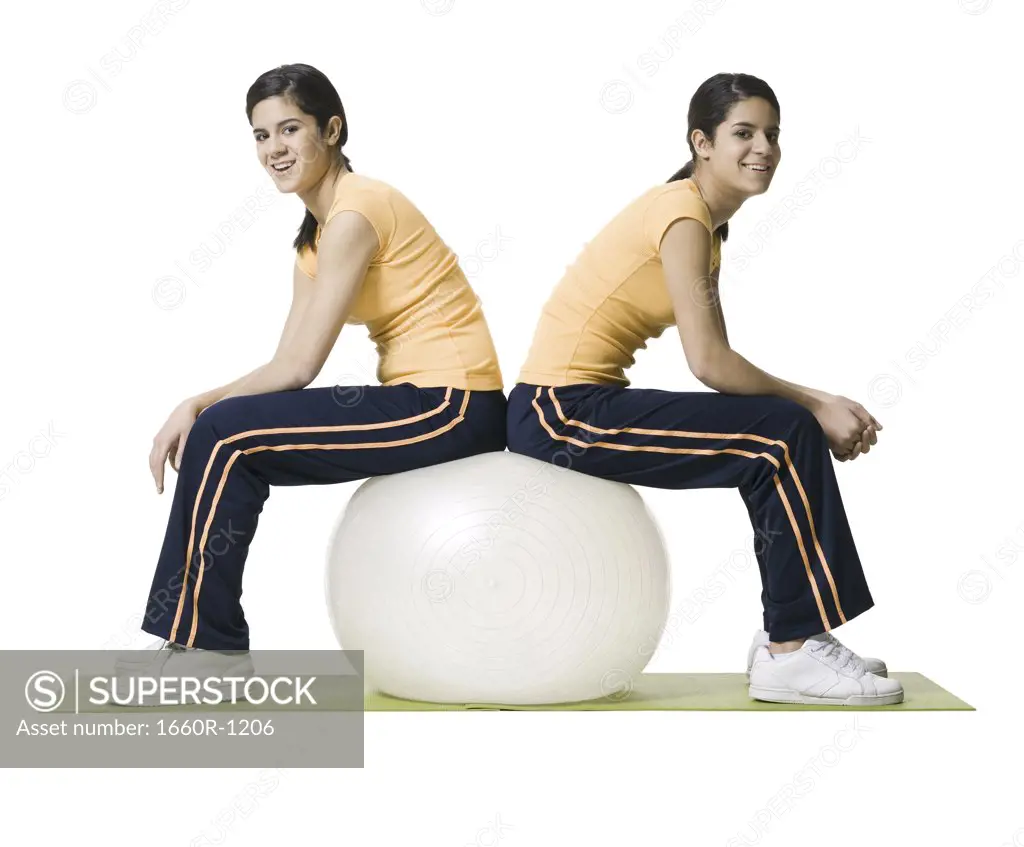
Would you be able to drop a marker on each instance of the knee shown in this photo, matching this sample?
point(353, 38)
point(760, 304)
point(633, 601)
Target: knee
point(792, 416)
point(218, 414)
point(793, 423)
point(226, 417)
point(212, 425)
point(199, 443)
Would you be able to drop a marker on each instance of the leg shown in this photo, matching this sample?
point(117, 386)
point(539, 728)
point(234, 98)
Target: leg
point(239, 447)
point(771, 449)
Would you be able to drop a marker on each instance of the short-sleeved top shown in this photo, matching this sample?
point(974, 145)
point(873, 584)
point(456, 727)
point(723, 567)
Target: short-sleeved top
point(415, 300)
point(614, 298)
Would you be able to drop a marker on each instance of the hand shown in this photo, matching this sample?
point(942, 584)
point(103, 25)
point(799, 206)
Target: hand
point(863, 444)
point(850, 428)
point(169, 442)
point(848, 456)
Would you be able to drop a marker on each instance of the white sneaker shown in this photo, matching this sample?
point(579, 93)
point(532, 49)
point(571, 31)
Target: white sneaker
point(875, 666)
point(821, 672)
point(129, 661)
point(165, 659)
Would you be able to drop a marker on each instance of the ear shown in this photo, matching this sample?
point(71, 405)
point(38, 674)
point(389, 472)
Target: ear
point(700, 142)
point(334, 123)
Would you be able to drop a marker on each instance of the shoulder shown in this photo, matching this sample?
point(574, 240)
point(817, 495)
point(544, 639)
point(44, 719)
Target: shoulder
point(676, 199)
point(374, 199)
point(359, 185)
point(661, 207)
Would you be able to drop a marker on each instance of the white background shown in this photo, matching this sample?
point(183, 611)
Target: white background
point(535, 121)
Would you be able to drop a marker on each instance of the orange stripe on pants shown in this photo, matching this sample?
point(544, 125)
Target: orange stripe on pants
point(710, 452)
point(384, 425)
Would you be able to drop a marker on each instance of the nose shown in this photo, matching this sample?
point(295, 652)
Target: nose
point(761, 144)
point(276, 148)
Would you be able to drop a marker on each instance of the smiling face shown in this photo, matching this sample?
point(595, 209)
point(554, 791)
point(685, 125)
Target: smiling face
point(286, 137)
point(746, 151)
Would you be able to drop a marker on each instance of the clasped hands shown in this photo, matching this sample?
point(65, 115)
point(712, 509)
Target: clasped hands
point(850, 428)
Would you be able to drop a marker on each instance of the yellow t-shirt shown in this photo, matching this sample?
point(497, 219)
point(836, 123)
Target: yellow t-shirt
point(613, 298)
point(416, 302)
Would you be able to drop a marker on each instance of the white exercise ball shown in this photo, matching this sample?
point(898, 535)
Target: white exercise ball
point(498, 579)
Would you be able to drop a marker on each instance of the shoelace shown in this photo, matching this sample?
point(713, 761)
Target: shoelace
point(833, 649)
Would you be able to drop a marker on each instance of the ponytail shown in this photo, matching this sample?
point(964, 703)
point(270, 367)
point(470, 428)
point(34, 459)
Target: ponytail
point(685, 172)
point(307, 229)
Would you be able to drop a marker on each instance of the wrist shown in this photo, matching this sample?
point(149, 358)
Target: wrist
point(816, 400)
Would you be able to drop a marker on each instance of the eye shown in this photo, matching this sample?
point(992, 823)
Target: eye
point(773, 137)
point(260, 136)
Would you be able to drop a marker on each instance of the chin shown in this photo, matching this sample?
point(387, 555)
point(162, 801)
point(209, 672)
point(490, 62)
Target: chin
point(284, 187)
point(755, 190)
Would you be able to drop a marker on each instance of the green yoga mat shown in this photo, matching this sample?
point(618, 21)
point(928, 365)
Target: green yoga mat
point(695, 692)
point(662, 692)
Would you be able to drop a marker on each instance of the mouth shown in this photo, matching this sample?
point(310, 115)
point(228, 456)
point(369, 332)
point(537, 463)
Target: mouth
point(283, 167)
point(758, 168)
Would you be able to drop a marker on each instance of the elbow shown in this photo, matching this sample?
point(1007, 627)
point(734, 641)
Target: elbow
point(298, 374)
point(303, 376)
point(702, 373)
point(707, 365)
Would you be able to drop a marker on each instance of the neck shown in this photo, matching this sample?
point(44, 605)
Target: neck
point(722, 201)
point(319, 198)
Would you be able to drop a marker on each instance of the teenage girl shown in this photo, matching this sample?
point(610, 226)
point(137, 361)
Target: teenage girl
point(655, 265)
point(365, 255)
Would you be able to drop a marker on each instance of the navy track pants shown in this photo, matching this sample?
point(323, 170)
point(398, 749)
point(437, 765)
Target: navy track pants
point(770, 448)
point(239, 447)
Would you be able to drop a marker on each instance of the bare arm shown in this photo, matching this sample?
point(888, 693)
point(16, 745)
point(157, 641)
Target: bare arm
point(347, 245)
point(717, 300)
point(685, 256)
point(302, 290)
